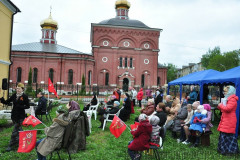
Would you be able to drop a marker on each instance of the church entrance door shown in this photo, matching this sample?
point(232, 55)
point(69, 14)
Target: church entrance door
point(125, 84)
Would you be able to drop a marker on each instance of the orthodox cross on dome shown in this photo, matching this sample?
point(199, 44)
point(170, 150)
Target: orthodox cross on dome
point(122, 7)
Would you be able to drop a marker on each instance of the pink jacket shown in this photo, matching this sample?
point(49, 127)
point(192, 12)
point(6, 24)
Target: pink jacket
point(228, 120)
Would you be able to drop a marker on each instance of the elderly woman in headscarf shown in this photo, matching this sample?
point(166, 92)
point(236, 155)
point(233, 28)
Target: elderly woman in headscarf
point(93, 102)
point(173, 112)
point(126, 111)
point(54, 134)
point(228, 143)
point(141, 138)
point(72, 105)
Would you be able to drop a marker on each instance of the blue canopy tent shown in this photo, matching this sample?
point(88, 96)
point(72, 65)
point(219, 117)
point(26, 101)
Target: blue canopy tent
point(228, 76)
point(195, 78)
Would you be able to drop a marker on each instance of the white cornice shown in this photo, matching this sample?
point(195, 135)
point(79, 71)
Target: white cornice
point(5, 62)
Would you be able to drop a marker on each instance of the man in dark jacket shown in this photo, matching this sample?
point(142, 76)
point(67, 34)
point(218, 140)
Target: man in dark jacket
point(20, 103)
point(42, 104)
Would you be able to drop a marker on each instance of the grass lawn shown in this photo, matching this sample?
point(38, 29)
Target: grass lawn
point(103, 145)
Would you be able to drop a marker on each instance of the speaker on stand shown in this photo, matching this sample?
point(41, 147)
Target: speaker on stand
point(4, 87)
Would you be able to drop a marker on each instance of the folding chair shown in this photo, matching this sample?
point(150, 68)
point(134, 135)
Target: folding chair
point(109, 120)
point(156, 148)
point(94, 108)
point(47, 113)
point(58, 152)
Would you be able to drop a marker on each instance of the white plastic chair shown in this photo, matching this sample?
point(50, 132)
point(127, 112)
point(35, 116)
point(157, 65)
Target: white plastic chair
point(89, 115)
point(109, 120)
point(93, 109)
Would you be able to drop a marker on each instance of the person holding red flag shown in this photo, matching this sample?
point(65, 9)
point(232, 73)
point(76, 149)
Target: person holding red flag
point(20, 103)
point(141, 137)
point(51, 87)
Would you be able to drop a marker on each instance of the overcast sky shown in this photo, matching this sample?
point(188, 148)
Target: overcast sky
point(190, 27)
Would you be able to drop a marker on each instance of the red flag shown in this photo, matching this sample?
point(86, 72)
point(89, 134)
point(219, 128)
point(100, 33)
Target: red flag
point(27, 140)
point(117, 127)
point(31, 120)
point(51, 87)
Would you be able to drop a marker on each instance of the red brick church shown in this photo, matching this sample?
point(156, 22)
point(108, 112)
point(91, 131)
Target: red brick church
point(124, 53)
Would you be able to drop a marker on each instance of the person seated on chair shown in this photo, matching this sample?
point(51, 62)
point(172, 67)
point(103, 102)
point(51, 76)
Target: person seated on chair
point(112, 110)
point(196, 126)
point(110, 102)
point(141, 137)
point(149, 110)
point(126, 111)
point(42, 104)
point(93, 102)
point(72, 105)
point(155, 136)
point(160, 112)
point(54, 135)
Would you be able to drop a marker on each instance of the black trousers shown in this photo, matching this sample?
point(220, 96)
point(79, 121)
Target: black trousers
point(140, 103)
point(15, 133)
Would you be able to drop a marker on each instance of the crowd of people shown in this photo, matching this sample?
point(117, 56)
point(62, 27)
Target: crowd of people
point(188, 120)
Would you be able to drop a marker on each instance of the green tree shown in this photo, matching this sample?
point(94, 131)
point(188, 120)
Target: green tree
point(83, 87)
point(29, 90)
point(214, 59)
point(171, 72)
point(209, 55)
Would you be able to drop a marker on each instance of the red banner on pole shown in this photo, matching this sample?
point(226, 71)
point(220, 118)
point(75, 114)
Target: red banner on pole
point(31, 120)
point(27, 141)
point(117, 127)
point(51, 87)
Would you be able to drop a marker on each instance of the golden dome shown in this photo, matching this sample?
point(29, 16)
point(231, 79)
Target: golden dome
point(49, 23)
point(122, 4)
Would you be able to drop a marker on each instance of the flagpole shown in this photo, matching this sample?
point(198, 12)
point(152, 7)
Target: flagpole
point(32, 130)
point(42, 122)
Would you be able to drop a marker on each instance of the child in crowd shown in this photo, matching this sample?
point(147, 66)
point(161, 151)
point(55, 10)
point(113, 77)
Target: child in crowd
point(186, 123)
point(141, 138)
point(154, 121)
point(196, 126)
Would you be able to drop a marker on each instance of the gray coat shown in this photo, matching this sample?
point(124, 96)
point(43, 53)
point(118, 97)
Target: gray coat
point(182, 115)
point(54, 136)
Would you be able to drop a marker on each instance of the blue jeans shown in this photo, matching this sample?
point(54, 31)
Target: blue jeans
point(40, 157)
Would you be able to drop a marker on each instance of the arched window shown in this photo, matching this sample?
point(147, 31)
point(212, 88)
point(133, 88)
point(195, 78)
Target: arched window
point(70, 76)
point(89, 77)
point(158, 81)
point(142, 80)
point(106, 79)
point(120, 63)
point(131, 65)
point(51, 74)
point(35, 74)
point(125, 61)
point(19, 74)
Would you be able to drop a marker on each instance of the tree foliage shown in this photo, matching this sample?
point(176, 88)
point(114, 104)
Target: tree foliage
point(214, 59)
point(29, 90)
point(172, 72)
point(83, 87)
